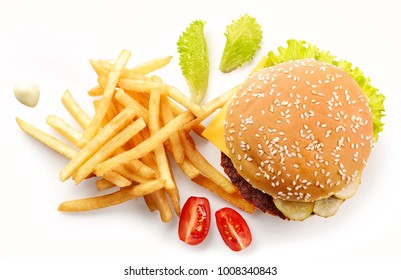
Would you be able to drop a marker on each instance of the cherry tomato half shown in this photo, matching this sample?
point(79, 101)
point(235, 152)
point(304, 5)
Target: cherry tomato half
point(194, 220)
point(233, 229)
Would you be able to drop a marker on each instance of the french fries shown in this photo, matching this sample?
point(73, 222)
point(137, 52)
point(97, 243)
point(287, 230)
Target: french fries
point(47, 139)
point(104, 152)
point(75, 110)
point(64, 129)
point(203, 165)
point(150, 66)
point(141, 169)
point(127, 100)
point(138, 120)
point(147, 86)
point(146, 146)
point(174, 141)
point(234, 198)
point(107, 96)
point(97, 142)
point(160, 153)
point(117, 179)
point(103, 184)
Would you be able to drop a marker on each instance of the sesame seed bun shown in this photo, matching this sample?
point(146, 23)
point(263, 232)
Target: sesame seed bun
point(299, 131)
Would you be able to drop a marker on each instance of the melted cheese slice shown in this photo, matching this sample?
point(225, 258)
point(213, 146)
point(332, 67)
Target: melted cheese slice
point(214, 132)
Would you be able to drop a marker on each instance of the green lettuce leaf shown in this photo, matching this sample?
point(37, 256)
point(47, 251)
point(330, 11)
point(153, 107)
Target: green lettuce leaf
point(194, 59)
point(298, 49)
point(243, 38)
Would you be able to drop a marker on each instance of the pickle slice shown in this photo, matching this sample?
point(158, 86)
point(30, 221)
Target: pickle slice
point(349, 191)
point(327, 207)
point(294, 210)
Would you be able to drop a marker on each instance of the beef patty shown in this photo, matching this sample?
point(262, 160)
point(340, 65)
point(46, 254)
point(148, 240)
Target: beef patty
point(258, 198)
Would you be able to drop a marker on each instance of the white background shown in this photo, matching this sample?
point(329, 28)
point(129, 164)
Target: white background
point(52, 41)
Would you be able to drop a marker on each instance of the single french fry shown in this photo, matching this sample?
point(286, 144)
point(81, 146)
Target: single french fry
point(102, 81)
point(174, 195)
point(219, 101)
point(99, 67)
point(103, 184)
point(189, 169)
point(127, 100)
point(111, 112)
point(177, 150)
point(132, 176)
point(47, 139)
point(194, 124)
point(105, 67)
point(140, 168)
point(107, 64)
point(118, 105)
point(95, 91)
point(147, 86)
point(152, 65)
point(64, 129)
point(234, 198)
point(148, 158)
point(161, 203)
point(160, 153)
point(75, 110)
point(117, 179)
point(154, 111)
point(96, 103)
point(155, 78)
point(108, 148)
point(209, 108)
point(150, 202)
point(198, 129)
point(113, 78)
point(203, 165)
point(115, 198)
point(111, 129)
point(133, 75)
point(146, 146)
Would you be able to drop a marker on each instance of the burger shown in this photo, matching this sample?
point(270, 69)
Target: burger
point(297, 135)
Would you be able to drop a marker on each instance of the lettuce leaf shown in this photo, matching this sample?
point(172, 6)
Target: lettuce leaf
point(194, 59)
point(299, 49)
point(243, 38)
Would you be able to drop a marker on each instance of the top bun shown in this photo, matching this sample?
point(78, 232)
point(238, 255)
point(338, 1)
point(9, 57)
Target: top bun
point(299, 131)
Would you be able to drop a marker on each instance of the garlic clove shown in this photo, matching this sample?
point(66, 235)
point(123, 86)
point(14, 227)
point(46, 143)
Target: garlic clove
point(27, 92)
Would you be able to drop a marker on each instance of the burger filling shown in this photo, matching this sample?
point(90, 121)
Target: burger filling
point(261, 200)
